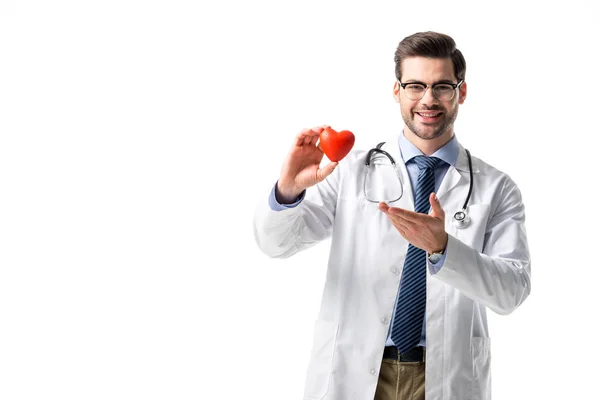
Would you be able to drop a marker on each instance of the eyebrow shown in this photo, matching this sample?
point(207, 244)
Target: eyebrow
point(435, 83)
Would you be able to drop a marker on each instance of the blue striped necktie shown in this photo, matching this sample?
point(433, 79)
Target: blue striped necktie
point(410, 308)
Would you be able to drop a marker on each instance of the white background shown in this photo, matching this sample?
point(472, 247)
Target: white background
point(136, 138)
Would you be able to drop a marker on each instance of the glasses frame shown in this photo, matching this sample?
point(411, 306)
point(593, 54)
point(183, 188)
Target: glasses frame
point(454, 86)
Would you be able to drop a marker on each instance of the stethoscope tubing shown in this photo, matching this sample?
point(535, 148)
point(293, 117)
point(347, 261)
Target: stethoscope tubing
point(461, 218)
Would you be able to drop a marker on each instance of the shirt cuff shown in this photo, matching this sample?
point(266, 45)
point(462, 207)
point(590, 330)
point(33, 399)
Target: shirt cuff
point(434, 268)
point(276, 206)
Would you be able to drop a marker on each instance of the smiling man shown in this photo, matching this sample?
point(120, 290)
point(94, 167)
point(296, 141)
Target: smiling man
point(429, 104)
point(410, 280)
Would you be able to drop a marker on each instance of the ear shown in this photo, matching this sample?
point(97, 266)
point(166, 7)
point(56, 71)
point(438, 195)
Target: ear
point(462, 93)
point(396, 92)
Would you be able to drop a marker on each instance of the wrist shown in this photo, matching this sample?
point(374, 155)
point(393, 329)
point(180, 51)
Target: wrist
point(435, 257)
point(286, 194)
point(440, 249)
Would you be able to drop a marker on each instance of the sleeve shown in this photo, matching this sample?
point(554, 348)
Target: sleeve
point(283, 233)
point(277, 206)
point(500, 276)
point(434, 268)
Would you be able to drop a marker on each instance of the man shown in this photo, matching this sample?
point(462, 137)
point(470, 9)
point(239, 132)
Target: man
point(403, 313)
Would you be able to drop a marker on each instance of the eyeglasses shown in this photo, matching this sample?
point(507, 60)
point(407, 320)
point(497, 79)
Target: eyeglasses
point(441, 91)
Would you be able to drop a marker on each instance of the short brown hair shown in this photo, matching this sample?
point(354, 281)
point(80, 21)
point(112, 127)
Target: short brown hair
point(432, 45)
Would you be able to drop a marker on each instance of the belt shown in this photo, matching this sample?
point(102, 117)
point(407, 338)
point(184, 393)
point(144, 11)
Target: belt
point(416, 354)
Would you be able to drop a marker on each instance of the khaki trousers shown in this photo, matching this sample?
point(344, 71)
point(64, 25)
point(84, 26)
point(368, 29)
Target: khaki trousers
point(401, 381)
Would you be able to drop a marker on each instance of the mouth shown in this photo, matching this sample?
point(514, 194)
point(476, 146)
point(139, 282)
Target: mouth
point(429, 116)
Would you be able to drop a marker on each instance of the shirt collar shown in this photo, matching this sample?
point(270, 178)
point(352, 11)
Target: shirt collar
point(448, 152)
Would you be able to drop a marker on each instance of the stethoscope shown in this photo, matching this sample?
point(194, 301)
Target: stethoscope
point(461, 218)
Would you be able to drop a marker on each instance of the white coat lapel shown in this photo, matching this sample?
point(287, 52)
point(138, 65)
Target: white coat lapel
point(456, 174)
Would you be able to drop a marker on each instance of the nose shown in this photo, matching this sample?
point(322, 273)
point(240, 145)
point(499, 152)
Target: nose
point(428, 97)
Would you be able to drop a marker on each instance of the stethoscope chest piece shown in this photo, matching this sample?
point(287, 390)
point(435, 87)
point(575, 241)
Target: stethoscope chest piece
point(461, 219)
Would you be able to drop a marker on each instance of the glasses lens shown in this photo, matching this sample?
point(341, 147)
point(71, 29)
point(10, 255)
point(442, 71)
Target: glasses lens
point(414, 91)
point(443, 92)
point(382, 181)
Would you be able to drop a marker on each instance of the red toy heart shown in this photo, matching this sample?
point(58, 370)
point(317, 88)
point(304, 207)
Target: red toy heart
point(336, 145)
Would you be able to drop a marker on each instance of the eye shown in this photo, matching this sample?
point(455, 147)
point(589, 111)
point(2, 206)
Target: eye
point(443, 88)
point(415, 87)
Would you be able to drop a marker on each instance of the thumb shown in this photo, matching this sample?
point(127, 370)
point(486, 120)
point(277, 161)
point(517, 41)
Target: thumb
point(436, 208)
point(326, 171)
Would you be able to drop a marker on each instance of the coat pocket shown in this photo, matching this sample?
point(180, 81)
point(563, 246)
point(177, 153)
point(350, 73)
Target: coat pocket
point(473, 234)
point(482, 379)
point(321, 359)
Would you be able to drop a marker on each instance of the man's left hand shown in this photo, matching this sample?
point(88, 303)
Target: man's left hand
point(425, 231)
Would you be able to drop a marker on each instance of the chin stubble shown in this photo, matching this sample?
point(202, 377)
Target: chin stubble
point(448, 121)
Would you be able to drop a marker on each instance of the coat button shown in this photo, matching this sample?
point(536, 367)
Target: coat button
point(395, 271)
point(384, 320)
point(373, 372)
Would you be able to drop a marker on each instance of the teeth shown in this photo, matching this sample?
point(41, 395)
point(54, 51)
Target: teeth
point(429, 115)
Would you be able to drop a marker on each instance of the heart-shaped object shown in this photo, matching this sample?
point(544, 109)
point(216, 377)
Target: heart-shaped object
point(336, 145)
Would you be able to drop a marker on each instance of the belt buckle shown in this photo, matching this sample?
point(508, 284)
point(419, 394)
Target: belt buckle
point(412, 360)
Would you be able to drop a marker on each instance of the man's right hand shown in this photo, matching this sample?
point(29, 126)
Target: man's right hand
point(301, 167)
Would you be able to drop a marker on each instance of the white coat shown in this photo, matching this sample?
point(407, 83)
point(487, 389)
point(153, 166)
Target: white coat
point(487, 265)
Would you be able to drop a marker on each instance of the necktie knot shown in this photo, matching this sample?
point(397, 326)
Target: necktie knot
point(424, 162)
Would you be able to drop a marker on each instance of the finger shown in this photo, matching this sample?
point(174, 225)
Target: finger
point(436, 207)
point(406, 214)
point(313, 141)
point(305, 133)
point(399, 222)
point(383, 207)
point(324, 172)
point(400, 229)
point(433, 201)
point(396, 220)
point(316, 139)
point(300, 137)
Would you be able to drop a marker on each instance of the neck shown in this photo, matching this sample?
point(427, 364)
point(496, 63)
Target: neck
point(429, 146)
